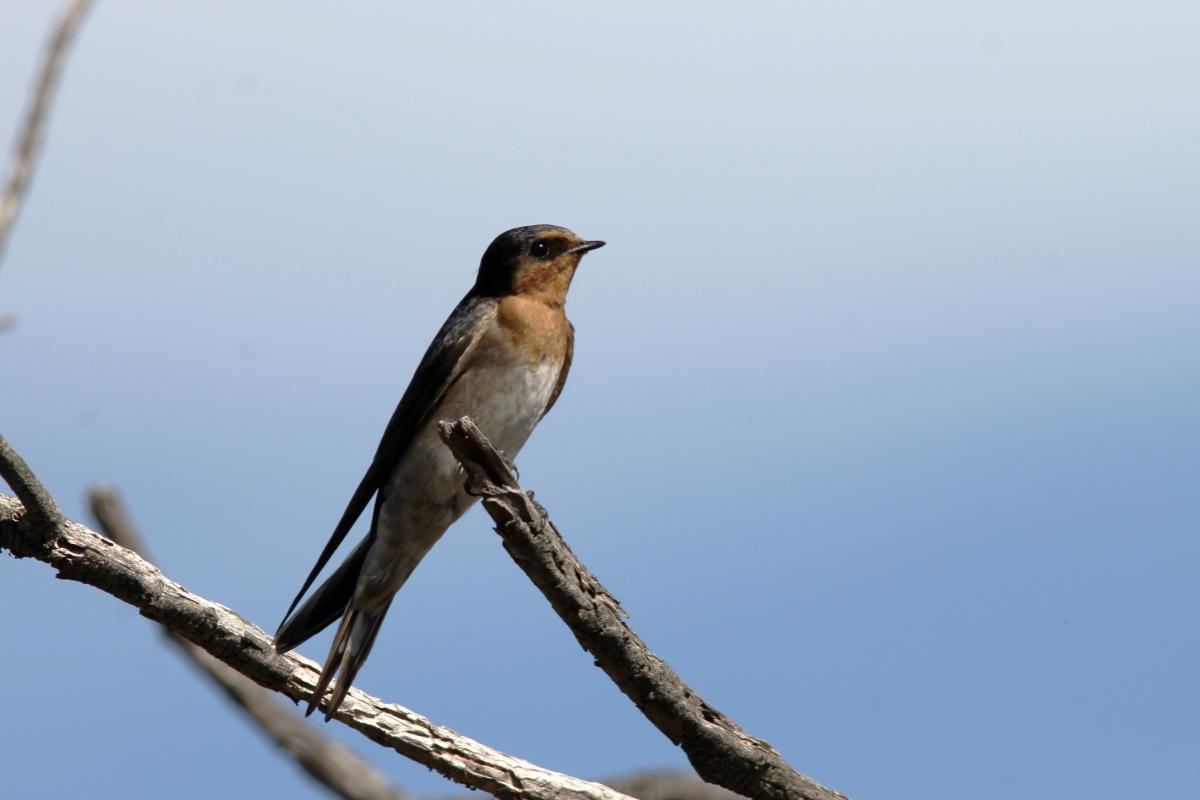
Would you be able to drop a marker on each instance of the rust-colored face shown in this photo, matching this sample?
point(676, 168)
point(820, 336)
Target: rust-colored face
point(535, 260)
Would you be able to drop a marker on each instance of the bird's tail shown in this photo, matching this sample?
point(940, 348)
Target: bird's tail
point(354, 637)
point(360, 622)
point(350, 648)
point(327, 603)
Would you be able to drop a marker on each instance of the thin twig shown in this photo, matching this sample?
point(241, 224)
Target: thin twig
point(29, 143)
point(30, 491)
point(80, 554)
point(719, 750)
point(335, 767)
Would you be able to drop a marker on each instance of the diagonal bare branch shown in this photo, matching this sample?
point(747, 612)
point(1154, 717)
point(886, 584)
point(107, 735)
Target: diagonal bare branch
point(33, 128)
point(326, 761)
point(80, 554)
point(719, 750)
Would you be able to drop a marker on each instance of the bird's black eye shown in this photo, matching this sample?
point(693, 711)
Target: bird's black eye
point(540, 250)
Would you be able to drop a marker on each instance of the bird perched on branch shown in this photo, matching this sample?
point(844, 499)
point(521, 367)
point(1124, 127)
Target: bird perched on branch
point(501, 358)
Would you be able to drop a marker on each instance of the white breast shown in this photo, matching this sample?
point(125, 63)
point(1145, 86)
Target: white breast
point(425, 494)
point(506, 401)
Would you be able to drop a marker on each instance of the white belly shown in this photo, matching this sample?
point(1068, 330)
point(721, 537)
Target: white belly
point(505, 402)
point(425, 493)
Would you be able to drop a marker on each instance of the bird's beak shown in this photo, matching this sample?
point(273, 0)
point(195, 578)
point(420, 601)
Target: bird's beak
point(583, 247)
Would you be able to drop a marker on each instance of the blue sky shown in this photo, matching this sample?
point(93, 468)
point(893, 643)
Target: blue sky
point(884, 417)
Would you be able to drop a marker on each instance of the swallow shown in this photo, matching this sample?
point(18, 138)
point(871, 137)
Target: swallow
point(502, 358)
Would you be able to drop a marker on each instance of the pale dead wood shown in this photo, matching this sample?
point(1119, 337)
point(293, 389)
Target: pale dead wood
point(80, 554)
point(326, 761)
point(33, 127)
point(719, 750)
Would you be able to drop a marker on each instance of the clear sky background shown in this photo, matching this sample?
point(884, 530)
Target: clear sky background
point(884, 423)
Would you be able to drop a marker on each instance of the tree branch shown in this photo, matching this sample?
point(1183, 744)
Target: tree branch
point(33, 128)
point(80, 554)
point(719, 750)
point(330, 764)
point(33, 495)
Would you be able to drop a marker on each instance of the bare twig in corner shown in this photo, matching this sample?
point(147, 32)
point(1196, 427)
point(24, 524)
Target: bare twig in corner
point(29, 144)
point(338, 769)
point(719, 750)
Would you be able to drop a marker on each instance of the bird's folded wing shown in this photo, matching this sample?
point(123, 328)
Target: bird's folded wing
point(440, 368)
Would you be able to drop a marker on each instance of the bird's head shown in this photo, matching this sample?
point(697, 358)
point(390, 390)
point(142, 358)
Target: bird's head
point(536, 260)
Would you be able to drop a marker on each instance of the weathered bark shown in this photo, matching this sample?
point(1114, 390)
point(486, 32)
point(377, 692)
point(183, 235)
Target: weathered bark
point(327, 762)
point(721, 752)
point(80, 554)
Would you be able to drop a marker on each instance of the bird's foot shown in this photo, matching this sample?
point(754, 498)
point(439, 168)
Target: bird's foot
point(508, 462)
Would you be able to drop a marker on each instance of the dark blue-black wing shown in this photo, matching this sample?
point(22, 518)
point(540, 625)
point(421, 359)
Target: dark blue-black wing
point(440, 368)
